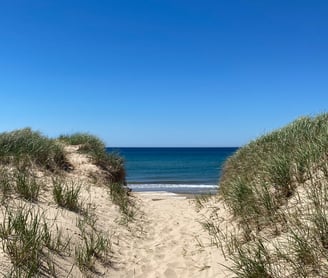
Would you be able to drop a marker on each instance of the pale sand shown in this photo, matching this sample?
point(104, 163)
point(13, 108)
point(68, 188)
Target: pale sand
point(173, 242)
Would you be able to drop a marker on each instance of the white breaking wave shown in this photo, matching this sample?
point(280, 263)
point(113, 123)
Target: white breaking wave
point(168, 185)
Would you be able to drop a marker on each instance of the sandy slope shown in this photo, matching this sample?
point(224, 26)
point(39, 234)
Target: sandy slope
point(173, 243)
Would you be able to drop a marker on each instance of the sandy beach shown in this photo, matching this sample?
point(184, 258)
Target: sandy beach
point(170, 242)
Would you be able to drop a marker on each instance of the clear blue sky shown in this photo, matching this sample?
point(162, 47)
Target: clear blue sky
point(162, 72)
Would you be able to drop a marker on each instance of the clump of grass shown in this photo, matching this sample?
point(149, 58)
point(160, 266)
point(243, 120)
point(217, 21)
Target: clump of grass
point(25, 237)
point(31, 146)
point(119, 195)
point(88, 142)
point(115, 167)
point(95, 245)
point(89, 218)
point(201, 200)
point(67, 195)
point(20, 181)
point(26, 185)
point(253, 261)
point(317, 193)
point(5, 183)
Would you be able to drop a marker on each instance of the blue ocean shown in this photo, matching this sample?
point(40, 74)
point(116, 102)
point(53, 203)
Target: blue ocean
point(177, 170)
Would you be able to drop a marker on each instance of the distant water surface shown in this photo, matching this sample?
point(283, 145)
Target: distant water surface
point(179, 170)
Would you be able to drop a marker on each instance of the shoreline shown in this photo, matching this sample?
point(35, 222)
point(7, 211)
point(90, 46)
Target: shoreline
point(164, 195)
point(168, 194)
point(185, 189)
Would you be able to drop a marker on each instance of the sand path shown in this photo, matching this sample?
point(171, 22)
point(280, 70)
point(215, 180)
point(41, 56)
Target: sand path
point(172, 245)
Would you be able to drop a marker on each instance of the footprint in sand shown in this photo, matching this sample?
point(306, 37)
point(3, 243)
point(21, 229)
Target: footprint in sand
point(170, 273)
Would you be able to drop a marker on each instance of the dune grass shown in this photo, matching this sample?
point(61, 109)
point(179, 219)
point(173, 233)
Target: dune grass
point(26, 185)
point(89, 144)
point(5, 183)
point(119, 196)
point(25, 146)
point(276, 188)
point(27, 239)
point(19, 181)
point(113, 166)
point(94, 245)
point(67, 195)
point(261, 176)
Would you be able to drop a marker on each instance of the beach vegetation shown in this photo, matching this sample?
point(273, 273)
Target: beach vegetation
point(26, 147)
point(26, 238)
point(119, 195)
point(5, 183)
point(31, 166)
point(96, 149)
point(276, 188)
point(113, 166)
point(26, 185)
point(94, 245)
point(67, 195)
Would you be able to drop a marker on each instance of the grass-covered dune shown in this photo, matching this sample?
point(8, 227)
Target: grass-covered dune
point(94, 147)
point(49, 193)
point(276, 187)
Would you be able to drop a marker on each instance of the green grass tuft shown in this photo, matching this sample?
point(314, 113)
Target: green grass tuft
point(27, 146)
point(95, 245)
point(67, 195)
point(26, 185)
point(120, 197)
point(5, 183)
point(26, 237)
